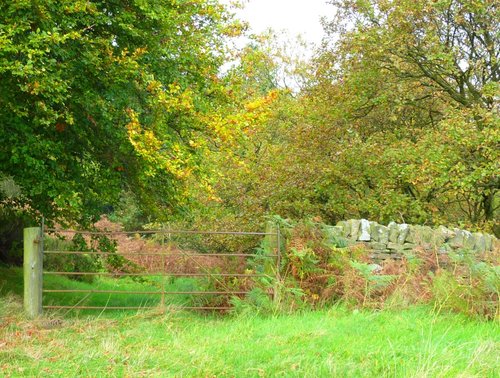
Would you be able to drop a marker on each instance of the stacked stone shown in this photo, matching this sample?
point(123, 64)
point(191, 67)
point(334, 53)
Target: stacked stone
point(393, 240)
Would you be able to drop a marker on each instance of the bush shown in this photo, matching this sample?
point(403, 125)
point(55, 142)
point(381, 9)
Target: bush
point(70, 262)
point(324, 271)
point(469, 285)
point(85, 262)
point(12, 223)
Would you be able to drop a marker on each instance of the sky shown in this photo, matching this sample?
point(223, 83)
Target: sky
point(292, 16)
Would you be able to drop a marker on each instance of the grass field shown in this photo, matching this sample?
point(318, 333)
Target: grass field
point(338, 342)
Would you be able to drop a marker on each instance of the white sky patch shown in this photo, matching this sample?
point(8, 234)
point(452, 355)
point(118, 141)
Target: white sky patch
point(294, 17)
point(297, 28)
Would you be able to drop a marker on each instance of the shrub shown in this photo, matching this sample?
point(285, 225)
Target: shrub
point(67, 262)
point(326, 272)
point(85, 262)
point(470, 285)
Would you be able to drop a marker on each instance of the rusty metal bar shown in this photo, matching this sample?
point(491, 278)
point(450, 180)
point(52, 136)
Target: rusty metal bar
point(144, 292)
point(158, 232)
point(164, 254)
point(136, 307)
point(155, 274)
point(278, 252)
point(50, 252)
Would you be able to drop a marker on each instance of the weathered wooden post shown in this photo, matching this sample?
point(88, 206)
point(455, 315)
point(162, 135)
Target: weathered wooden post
point(33, 268)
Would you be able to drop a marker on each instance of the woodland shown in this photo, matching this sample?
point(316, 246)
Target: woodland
point(147, 110)
point(141, 116)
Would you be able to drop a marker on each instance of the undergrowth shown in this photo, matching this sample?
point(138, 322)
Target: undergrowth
point(338, 342)
point(316, 271)
point(319, 270)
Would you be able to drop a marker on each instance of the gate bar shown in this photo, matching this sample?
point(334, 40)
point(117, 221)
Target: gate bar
point(158, 232)
point(143, 292)
point(155, 274)
point(154, 254)
point(136, 307)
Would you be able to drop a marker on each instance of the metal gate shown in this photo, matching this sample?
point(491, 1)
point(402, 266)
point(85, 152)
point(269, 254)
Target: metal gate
point(267, 260)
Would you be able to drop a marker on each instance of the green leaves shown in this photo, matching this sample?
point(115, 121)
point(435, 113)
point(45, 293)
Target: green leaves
point(73, 73)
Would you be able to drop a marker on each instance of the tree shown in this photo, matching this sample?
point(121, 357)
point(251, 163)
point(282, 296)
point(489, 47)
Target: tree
point(102, 97)
point(399, 121)
point(418, 81)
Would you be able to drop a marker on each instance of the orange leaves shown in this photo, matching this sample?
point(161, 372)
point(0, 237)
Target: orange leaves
point(153, 86)
point(60, 127)
point(261, 102)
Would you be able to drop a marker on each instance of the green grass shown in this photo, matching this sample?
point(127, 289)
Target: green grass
point(338, 342)
point(11, 281)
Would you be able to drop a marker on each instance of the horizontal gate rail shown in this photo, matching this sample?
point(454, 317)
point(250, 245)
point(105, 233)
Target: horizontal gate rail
point(158, 254)
point(156, 274)
point(159, 232)
point(145, 292)
point(137, 307)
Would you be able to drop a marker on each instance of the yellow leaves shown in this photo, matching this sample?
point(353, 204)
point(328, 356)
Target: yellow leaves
point(255, 113)
point(35, 88)
point(153, 86)
point(80, 6)
point(210, 192)
point(127, 58)
point(159, 155)
point(174, 88)
point(235, 29)
point(221, 127)
point(261, 102)
point(138, 52)
point(144, 141)
point(172, 99)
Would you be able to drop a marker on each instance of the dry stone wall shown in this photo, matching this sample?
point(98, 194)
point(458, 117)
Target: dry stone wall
point(393, 240)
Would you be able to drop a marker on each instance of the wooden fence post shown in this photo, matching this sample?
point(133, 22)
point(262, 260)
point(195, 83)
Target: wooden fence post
point(33, 268)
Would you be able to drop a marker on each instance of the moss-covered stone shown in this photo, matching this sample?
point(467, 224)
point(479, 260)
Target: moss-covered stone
point(457, 241)
point(364, 234)
point(393, 232)
point(408, 246)
point(346, 228)
point(469, 241)
point(378, 246)
point(488, 241)
point(404, 229)
point(395, 246)
point(355, 225)
point(331, 232)
point(479, 242)
point(445, 248)
point(420, 235)
point(379, 233)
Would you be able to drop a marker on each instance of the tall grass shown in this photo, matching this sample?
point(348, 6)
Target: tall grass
point(338, 342)
point(328, 343)
point(326, 272)
point(11, 282)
